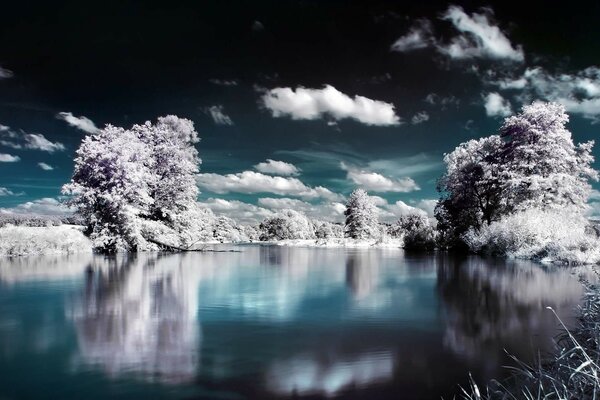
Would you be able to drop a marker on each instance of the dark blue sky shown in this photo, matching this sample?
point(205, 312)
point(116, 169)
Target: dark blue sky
point(215, 62)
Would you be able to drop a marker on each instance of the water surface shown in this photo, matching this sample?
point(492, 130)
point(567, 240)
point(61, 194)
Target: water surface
point(270, 322)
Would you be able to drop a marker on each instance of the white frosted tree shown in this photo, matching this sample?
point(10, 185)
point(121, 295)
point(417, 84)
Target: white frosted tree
point(471, 190)
point(541, 167)
point(137, 184)
point(287, 224)
point(361, 216)
point(111, 187)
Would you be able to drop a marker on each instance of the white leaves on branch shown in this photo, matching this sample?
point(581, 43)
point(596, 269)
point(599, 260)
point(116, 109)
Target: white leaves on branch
point(361, 216)
point(131, 183)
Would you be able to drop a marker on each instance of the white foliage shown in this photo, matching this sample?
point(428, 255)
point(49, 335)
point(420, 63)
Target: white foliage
point(551, 235)
point(26, 241)
point(287, 224)
point(540, 165)
point(361, 216)
point(130, 184)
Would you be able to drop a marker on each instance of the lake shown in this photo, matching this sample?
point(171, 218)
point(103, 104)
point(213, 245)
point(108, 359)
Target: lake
point(269, 322)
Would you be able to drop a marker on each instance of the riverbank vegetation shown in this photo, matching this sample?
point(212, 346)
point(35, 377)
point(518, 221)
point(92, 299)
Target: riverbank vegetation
point(520, 193)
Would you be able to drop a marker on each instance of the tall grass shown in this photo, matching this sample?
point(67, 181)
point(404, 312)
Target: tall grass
point(572, 373)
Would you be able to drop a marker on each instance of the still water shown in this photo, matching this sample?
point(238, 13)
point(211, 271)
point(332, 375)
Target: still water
point(270, 322)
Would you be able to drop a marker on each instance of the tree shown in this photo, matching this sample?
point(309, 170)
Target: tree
point(287, 224)
point(418, 232)
point(533, 163)
point(361, 216)
point(541, 167)
point(132, 184)
point(111, 187)
point(471, 190)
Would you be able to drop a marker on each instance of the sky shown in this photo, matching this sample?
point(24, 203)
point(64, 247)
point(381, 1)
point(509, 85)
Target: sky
point(297, 103)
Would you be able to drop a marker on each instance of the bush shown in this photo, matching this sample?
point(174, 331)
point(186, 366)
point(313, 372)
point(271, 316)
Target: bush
point(32, 220)
point(22, 240)
point(554, 235)
point(287, 224)
point(417, 230)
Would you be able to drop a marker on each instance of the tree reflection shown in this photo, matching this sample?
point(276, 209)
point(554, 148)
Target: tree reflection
point(494, 304)
point(138, 314)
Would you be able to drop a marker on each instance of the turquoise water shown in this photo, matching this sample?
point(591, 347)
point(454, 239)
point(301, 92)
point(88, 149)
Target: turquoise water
point(270, 322)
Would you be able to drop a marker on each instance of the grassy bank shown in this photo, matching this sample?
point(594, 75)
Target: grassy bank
point(573, 372)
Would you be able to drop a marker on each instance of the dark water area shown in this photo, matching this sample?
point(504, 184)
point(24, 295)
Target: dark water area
point(271, 322)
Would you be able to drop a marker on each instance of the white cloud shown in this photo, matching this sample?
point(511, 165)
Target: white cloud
point(444, 101)
point(21, 139)
point(400, 208)
point(45, 167)
point(238, 210)
point(310, 104)
point(330, 211)
point(496, 105)
point(44, 206)
point(223, 82)
point(419, 117)
point(7, 192)
point(579, 92)
point(418, 37)
point(37, 141)
point(83, 123)
point(256, 182)
point(218, 115)
point(479, 38)
point(281, 203)
point(277, 168)
point(373, 181)
point(8, 158)
point(5, 73)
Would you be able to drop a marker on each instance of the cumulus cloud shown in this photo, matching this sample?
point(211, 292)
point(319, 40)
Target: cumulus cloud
point(83, 123)
point(280, 203)
point(37, 141)
point(579, 91)
point(44, 206)
point(240, 211)
point(419, 36)
point(256, 182)
point(496, 105)
point(310, 104)
point(218, 115)
point(373, 181)
point(277, 168)
point(419, 118)
point(479, 38)
point(8, 158)
point(45, 167)
point(7, 192)
point(5, 73)
point(328, 210)
point(400, 208)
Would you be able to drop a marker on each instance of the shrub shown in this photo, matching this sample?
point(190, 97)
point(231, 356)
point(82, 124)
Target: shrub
point(554, 235)
point(22, 240)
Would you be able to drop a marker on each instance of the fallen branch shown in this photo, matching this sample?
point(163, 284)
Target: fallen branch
point(170, 247)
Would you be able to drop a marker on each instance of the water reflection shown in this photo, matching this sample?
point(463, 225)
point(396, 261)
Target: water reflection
point(492, 304)
point(138, 314)
point(271, 322)
point(317, 374)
